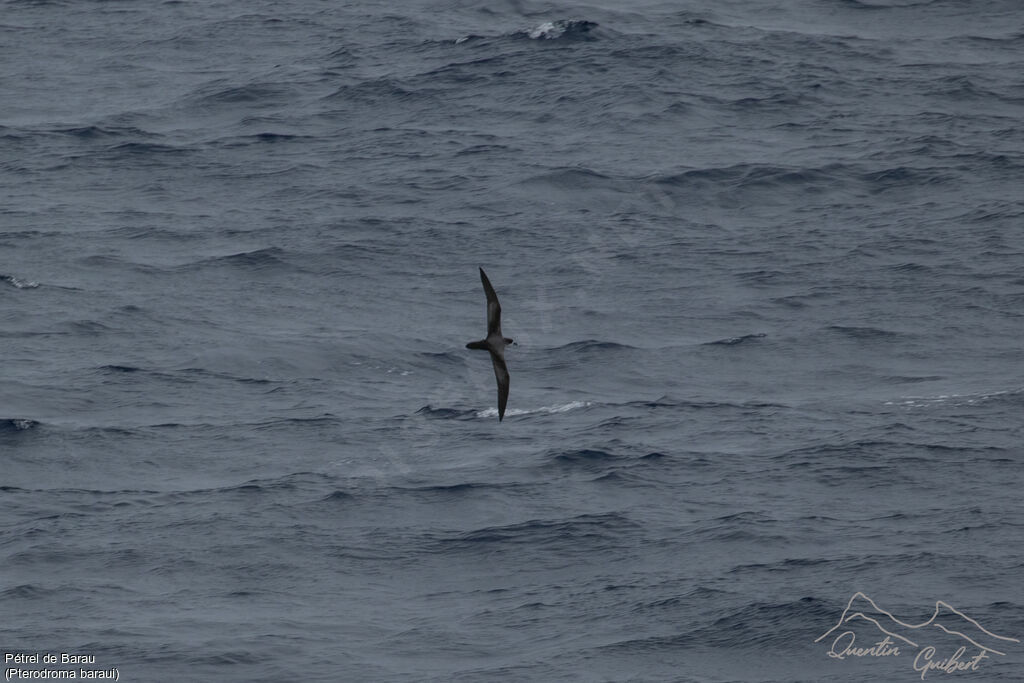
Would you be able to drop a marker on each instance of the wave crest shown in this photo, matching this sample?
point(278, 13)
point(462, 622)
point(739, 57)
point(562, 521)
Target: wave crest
point(561, 29)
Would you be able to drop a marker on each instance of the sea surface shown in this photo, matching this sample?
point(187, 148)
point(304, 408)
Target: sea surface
point(763, 263)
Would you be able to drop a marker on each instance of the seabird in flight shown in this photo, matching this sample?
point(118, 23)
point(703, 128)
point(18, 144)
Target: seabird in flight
point(495, 343)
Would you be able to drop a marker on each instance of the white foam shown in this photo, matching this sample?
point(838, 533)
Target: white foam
point(21, 284)
point(946, 399)
point(546, 30)
point(561, 408)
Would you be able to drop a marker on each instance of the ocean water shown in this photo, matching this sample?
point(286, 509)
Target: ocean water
point(763, 262)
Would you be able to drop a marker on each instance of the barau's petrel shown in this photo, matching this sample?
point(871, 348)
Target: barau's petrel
point(495, 343)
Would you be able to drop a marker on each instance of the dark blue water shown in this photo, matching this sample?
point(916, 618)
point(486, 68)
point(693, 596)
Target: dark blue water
point(763, 262)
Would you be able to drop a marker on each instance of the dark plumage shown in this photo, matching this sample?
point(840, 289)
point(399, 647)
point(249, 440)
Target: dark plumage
point(495, 343)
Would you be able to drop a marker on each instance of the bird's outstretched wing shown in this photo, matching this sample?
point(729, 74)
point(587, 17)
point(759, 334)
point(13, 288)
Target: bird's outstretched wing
point(501, 374)
point(493, 307)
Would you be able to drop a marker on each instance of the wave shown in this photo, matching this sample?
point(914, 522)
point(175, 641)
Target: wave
point(186, 375)
point(18, 282)
point(558, 29)
point(732, 341)
point(561, 29)
point(911, 379)
point(222, 92)
point(373, 91)
point(576, 178)
point(585, 456)
point(287, 482)
point(143, 150)
point(747, 176)
point(430, 412)
point(258, 138)
point(549, 410)
point(259, 259)
point(296, 481)
point(809, 179)
point(39, 3)
point(117, 262)
point(614, 465)
point(595, 528)
point(215, 374)
point(8, 133)
point(1012, 397)
point(97, 132)
point(863, 332)
point(883, 4)
point(900, 177)
point(877, 460)
point(484, 149)
point(447, 413)
point(592, 345)
point(337, 496)
point(119, 368)
point(27, 591)
point(459, 489)
point(761, 625)
point(16, 425)
point(327, 419)
point(666, 402)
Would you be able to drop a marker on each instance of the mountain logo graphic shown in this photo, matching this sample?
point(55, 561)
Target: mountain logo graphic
point(970, 642)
